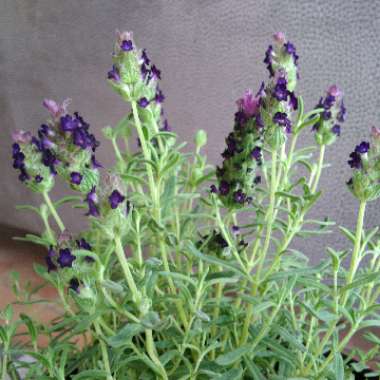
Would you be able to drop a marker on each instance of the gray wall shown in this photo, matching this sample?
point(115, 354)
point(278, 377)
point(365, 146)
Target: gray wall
point(209, 52)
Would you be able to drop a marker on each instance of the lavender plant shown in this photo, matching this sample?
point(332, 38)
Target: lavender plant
point(185, 271)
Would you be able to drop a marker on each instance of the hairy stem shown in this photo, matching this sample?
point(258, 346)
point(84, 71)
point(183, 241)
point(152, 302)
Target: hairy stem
point(53, 211)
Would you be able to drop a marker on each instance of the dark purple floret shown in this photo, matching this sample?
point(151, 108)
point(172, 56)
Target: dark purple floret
point(144, 71)
point(349, 182)
point(268, 60)
point(82, 243)
point(224, 188)
point(156, 74)
point(329, 101)
point(37, 143)
point(46, 143)
point(128, 206)
point(159, 97)
point(126, 45)
point(166, 127)
point(143, 102)
point(49, 260)
point(24, 176)
point(293, 101)
point(213, 189)
point(281, 118)
point(256, 153)
point(68, 123)
point(291, 50)
point(92, 200)
point(336, 129)
point(49, 160)
point(342, 113)
point(74, 285)
point(235, 230)
point(362, 148)
point(239, 196)
point(114, 74)
point(15, 148)
point(280, 91)
point(95, 163)
point(18, 160)
point(259, 121)
point(76, 178)
point(326, 115)
point(257, 180)
point(65, 259)
point(38, 178)
point(145, 57)
point(355, 160)
point(115, 199)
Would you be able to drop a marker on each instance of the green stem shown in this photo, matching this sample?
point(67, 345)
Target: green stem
point(127, 272)
point(272, 198)
point(4, 365)
point(319, 168)
point(103, 348)
point(151, 349)
point(53, 211)
point(355, 259)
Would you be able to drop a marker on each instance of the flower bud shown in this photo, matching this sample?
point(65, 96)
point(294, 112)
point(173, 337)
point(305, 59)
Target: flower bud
point(200, 138)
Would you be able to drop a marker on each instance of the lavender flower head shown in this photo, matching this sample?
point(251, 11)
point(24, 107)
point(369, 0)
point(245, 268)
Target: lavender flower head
point(333, 114)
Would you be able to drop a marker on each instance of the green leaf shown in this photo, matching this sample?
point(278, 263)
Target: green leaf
point(214, 260)
point(232, 374)
point(362, 281)
point(91, 374)
point(232, 356)
point(125, 335)
point(338, 366)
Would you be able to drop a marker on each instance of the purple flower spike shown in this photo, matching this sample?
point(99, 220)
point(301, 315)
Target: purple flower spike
point(76, 178)
point(355, 160)
point(126, 45)
point(114, 74)
point(143, 102)
point(115, 199)
point(65, 259)
point(362, 148)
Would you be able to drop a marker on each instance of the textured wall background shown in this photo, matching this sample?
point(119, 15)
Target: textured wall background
point(209, 51)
